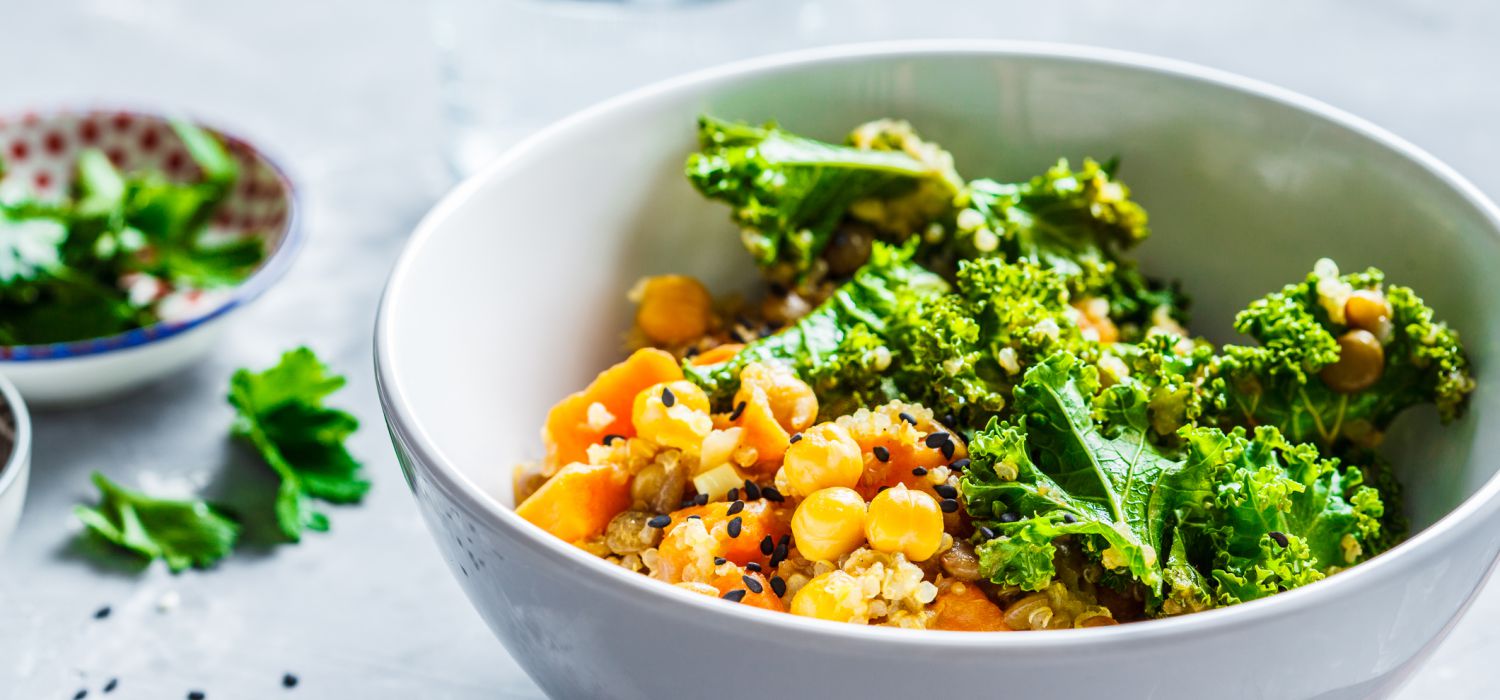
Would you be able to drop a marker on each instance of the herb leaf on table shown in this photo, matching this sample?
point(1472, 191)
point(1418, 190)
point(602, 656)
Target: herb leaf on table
point(281, 413)
point(182, 532)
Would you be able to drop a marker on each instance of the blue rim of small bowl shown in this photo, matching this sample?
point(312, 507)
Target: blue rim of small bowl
point(20, 448)
point(271, 270)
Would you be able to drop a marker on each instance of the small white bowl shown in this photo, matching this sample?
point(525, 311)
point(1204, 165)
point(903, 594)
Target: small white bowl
point(15, 466)
point(40, 149)
point(511, 294)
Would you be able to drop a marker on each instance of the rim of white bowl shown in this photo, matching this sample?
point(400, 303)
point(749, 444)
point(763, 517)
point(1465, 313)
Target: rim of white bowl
point(271, 269)
point(20, 448)
point(409, 430)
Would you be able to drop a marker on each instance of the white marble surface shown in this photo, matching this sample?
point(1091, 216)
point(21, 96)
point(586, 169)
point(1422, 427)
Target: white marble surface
point(352, 96)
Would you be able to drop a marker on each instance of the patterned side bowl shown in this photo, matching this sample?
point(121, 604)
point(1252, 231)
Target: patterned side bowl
point(39, 150)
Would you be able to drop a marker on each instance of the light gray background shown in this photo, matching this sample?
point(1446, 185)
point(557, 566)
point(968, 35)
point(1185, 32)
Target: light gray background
point(373, 119)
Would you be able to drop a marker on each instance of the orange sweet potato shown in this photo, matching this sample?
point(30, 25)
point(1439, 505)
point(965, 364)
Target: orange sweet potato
point(578, 501)
point(567, 434)
point(715, 355)
point(758, 520)
point(762, 431)
point(965, 608)
point(735, 580)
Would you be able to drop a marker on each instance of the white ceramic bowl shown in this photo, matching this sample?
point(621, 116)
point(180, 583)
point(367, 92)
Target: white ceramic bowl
point(40, 149)
point(15, 465)
point(511, 294)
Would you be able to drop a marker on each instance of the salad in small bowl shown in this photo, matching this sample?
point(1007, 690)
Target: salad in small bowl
point(125, 238)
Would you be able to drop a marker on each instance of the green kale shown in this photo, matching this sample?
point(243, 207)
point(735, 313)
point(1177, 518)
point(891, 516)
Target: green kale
point(1236, 517)
point(281, 413)
point(1076, 223)
point(790, 193)
point(1078, 462)
point(962, 353)
point(841, 347)
point(1278, 382)
point(184, 533)
point(1264, 515)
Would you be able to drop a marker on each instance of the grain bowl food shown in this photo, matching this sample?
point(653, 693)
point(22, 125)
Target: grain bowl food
point(960, 405)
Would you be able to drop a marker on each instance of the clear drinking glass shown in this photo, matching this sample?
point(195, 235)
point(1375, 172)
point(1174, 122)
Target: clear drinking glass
point(511, 66)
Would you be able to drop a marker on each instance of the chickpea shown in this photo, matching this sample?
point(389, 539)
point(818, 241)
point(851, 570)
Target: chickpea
point(905, 520)
point(674, 414)
point(833, 596)
point(793, 402)
point(825, 456)
point(672, 309)
point(1368, 310)
point(1361, 362)
point(829, 524)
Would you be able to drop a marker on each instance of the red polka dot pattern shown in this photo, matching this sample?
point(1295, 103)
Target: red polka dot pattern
point(40, 148)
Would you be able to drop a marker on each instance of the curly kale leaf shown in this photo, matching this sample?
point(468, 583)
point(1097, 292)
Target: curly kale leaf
point(962, 353)
point(1262, 514)
point(842, 347)
point(1076, 223)
point(1237, 518)
point(1078, 462)
point(1176, 375)
point(1277, 382)
point(789, 193)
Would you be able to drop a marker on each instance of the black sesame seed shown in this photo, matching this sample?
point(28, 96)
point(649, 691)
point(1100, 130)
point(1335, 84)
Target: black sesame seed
point(734, 526)
point(907, 417)
point(919, 471)
point(795, 438)
point(752, 492)
point(948, 505)
point(882, 454)
point(694, 517)
point(734, 596)
point(948, 419)
point(779, 555)
point(1280, 537)
point(81, 694)
point(668, 399)
point(987, 533)
point(771, 494)
point(735, 507)
point(946, 491)
point(753, 566)
point(778, 586)
point(720, 561)
point(752, 584)
point(660, 521)
point(786, 540)
point(691, 353)
point(767, 546)
point(101, 613)
point(685, 503)
point(196, 695)
point(1010, 517)
point(288, 681)
point(611, 438)
point(739, 410)
point(700, 499)
point(736, 336)
point(937, 439)
point(733, 495)
point(111, 685)
point(960, 464)
point(948, 448)
point(1068, 518)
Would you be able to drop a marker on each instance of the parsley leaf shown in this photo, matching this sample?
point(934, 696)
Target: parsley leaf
point(281, 413)
point(184, 533)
